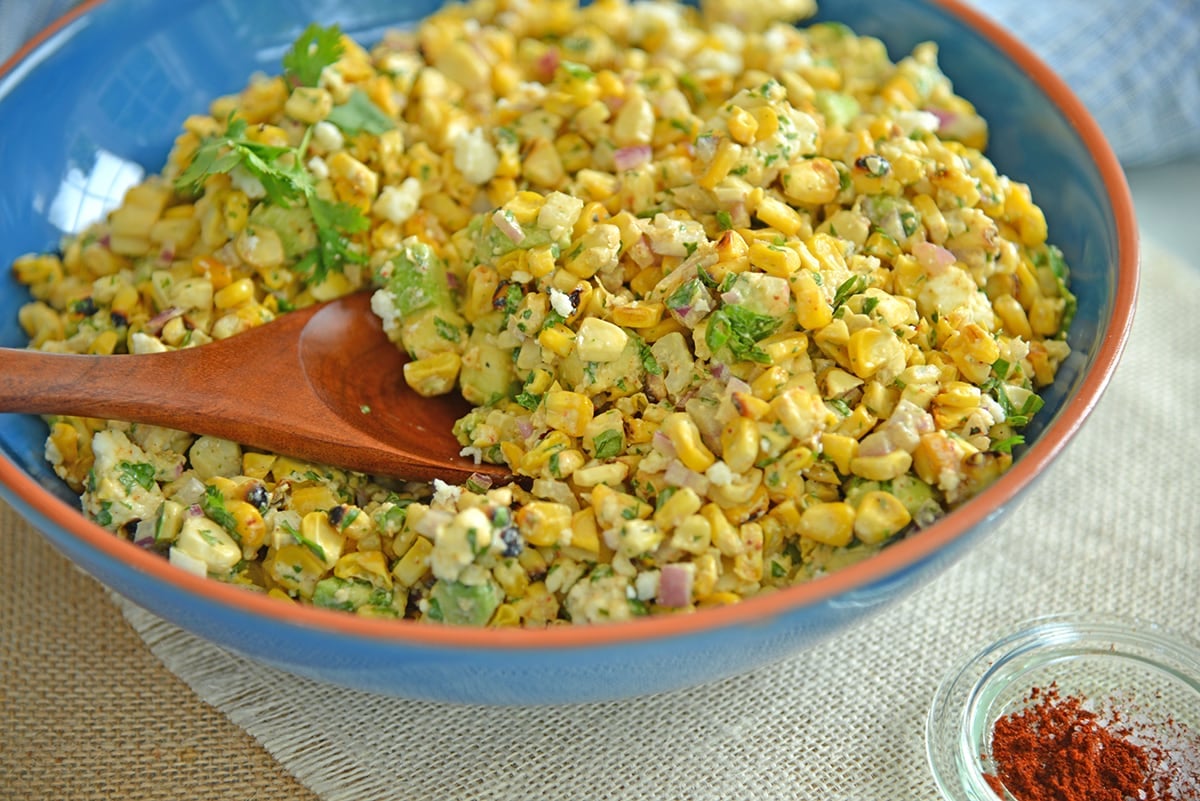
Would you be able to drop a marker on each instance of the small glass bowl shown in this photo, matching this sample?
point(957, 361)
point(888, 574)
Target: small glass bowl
point(1130, 666)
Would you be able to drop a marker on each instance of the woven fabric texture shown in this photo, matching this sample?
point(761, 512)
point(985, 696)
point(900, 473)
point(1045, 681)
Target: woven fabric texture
point(87, 712)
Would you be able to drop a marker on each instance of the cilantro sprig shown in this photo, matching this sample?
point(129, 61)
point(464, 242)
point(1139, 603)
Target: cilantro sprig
point(312, 52)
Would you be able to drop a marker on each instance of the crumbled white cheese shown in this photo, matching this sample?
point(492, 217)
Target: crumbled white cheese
point(397, 203)
point(719, 474)
point(646, 585)
point(475, 157)
point(561, 302)
point(318, 167)
point(328, 136)
point(248, 183)
point(445, 494)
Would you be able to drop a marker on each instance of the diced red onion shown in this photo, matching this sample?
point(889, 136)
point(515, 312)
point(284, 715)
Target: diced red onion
point(738, 385)
point(155, 324)
point(678, 475)
point(190, 492)
point(675, 585)
point(632, 157)
point(945, 118)
point(484, 482)
point(143, 534)
point(195, 510)
point(548, 64)
point(662, 443)
point(524, 428)
point(167, 254)
point(508, 226)
point(719, 370)
point(879, 443)
point(732, 297)
point(933, 258)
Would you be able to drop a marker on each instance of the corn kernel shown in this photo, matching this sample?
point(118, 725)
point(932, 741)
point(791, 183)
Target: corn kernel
point(828, 523)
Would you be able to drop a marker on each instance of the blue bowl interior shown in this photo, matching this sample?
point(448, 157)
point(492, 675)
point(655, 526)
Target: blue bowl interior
point(99, 103)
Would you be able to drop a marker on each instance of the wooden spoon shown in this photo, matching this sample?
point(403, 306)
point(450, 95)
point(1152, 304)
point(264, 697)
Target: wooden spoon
point(323, 384)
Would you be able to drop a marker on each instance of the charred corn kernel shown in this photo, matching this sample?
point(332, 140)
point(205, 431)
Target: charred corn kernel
point(739, 444)
point(482, 283)
point(749, 406)
point(828, 523)
point(559, 340)
point(249, 527)
point(782, 217)
point(104, 344)
point(879, 515)
point(685, 436)
point(743, 126)
point(1045, 316)
point(599, 340)
point(884, 467)
point(811, 182)
point(414, 564)
point(569, 412)
point(544, 523)
point(802, 413)
point(433, 375)
point(638, 314)
point(870, 349)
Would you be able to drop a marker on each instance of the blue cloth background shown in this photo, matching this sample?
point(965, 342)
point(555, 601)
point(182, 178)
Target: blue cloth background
point(1134, 63)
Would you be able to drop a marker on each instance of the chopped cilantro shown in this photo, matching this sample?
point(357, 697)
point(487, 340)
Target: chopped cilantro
point(446, 330)
point(646, 356)
point(139, 474)
point(740, 329)
point(315, 50)
point(359, 113)
point(213, 504)
point(1006, 445)
point(315, 547)
point(849, 288)
point(724, 219)
point(608, 443)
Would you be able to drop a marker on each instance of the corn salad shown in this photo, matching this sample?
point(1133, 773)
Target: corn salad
point(741, 302)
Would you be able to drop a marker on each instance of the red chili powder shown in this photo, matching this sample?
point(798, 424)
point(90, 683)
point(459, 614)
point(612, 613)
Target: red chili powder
point(1058, 749)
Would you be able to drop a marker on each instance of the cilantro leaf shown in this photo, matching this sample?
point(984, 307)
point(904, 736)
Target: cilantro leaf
point(359, 113)
point(608, 443)
point(283, 181)
point(848, 289)
point(135, 474)
point(333, 250)
point(213, 504)
point(311, 53)
point(740, 329)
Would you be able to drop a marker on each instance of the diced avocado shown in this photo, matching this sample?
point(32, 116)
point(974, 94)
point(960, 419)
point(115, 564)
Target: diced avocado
point(418, 280)
point(294, 224)
point(487, 371)
point(348, 594)
point(463, 604)
point(838, 108)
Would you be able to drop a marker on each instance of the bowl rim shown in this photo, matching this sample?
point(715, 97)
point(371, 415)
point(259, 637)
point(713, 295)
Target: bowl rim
point(750, 611)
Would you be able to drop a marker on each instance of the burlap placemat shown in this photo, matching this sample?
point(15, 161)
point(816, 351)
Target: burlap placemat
point(87, 712)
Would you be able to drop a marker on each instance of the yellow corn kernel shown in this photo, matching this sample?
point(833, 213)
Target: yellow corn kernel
point(353, 182)
point(542, 165)
point(538, 457)
point(600, 341)
point(879, 516)
point(569, 412)
point(250, 528)
point(257, 465)
point(433, 375)
point(782, 217)
point(841, 449)
point(802, 413)
point(776, 260)
point(638, 314)
point(634, 124)
point(882, 468)
point(870, 349)
point(725, 159)
point(931, 218)
point(543, 523)
point(235, 294)
point(959, 395)
point(858, 422)
point(308, 104)
point(812, 182)
point(585, 534)
point(813, 311)
point(830, 523)
point(414, 564)
point(682, 504)
point(685, 436)
point(370, 566)
point(312, 498)
point(104, 343)
point(1013, 316)
point(482, 283)
point(1045, 316)
point(768, 383)
point(295, 568)
point(739, 444)
point(742, 126)
point(558, 339)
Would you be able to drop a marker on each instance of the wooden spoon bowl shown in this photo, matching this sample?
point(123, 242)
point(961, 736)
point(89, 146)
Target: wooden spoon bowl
point(323, 384)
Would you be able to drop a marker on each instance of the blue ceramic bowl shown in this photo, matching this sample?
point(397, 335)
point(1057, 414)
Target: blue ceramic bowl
point(97, 99)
